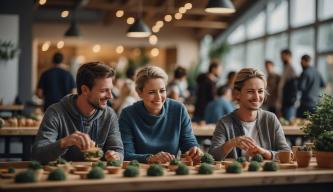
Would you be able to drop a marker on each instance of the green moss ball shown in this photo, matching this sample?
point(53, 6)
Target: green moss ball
point(100, 164)
point(182, 170)
point(174, 162)
point(241, 160)
point(205, 169)
point(270, 166)
point(35, 165)
point(27, 176)
point(57, 175)
point(131, 171)
point(155, 170)
point(259, 158)
point(235, 167)
point(207, 158)
point(254, 166)
point(134, 163)
point(96, 173)
point(115, 163)
point(11, 170)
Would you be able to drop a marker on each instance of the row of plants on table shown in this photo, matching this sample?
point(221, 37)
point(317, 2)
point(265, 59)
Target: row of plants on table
point(20, 121)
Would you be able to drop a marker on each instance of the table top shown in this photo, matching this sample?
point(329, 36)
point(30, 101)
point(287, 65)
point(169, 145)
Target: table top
point(170, 181)
point(208, 130)
point(11, 107)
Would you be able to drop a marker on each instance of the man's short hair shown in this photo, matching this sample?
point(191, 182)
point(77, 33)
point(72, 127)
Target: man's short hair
point(306, 58)
point(179, 72)
point(212, 66)
point(286, 51)
point(231, 74)
point(58, 58)
point(269, 62)
point(222, 90)
point(88, 72)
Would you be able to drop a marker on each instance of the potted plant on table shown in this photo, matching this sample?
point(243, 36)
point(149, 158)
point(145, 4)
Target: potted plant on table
point(320, 130)
point(303, 156)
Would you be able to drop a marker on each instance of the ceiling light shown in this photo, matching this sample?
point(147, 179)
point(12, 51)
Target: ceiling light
point(130, 20)
point(167, 18)
point(220, 6)
point(155, 52)
point(182, 10)
point(155, 29)
point(96, 48)
point(153, 39)
point(120, 49)
point(159, 24)
point(178, 16)
point(73, 30)
point(188, 6)
point(42, 2)
point(60, 44)
point(139, 29)
point(46, 45)
point(64, 14)
point(119, 13)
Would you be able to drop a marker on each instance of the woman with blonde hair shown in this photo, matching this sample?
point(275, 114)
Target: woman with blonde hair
point(127, 95)
point(248, 130)
point(154, 129)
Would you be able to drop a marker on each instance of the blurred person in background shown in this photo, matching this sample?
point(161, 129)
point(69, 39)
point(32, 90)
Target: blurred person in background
point(310, 84)
point(273, 80)
point(55, 83)
point(177, 88)
point(127, 96)
point(220, 106)
point(287, 87)
point(230, 79)
point(206, 87)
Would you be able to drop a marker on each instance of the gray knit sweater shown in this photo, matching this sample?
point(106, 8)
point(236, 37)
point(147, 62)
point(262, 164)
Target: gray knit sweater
point(270, 132)
point(63, 119)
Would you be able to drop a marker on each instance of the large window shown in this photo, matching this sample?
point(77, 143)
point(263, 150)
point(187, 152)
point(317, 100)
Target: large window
point(277, 16)
point(302, 12)
point(274, 45)
point(237, 36)
point(256, 27)
point(325, 37)
point(325, 67)
point(235, 59)
point(325, 9)
point(255, 54)
point(302, 42)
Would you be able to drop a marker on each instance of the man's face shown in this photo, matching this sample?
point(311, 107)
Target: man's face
point(285, 58)
point(100, 93)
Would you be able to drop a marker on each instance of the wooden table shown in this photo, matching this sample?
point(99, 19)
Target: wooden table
point(300, 179)
point(208, 130)
point(11, 107)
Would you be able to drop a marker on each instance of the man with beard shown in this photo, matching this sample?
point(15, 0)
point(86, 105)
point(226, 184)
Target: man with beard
point(81, 121)
point(248, 130)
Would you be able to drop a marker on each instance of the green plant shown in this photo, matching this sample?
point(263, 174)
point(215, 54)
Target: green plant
point(270, 166)
point(205, 169)
point(27, 176)
point(11, 170)
point(254, 166)
point(131, 171)
point(100, 164)
point(8, 50)
point(174, 162)
point(241, 160)
point(219, 51)
point(235, 167)
point(155, 170)
point(57, 175)
point(96, 173)
point(93, 153)
point(207, 158)
point(259, 158)
point(115, 163)
point(324, 142)
point(322, 119)
point(182, 170)
point(35, 165)
point(134, 163)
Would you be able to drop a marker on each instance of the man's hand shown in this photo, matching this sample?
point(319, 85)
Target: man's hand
point(111, 155)
point(78, 139)
point(243, 142)
point(161, 157)
point(195, 153)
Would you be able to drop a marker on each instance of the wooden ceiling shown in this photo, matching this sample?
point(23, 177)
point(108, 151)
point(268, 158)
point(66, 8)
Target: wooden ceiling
point(196, 19)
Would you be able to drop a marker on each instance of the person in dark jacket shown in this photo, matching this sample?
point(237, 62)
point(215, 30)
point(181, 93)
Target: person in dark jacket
point(310, 84)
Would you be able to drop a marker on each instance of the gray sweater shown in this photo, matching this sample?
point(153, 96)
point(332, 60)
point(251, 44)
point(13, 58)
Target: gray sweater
point(63, 119)
point(270, 132)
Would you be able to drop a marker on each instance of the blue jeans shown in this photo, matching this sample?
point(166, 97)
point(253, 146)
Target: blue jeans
point(288, 112)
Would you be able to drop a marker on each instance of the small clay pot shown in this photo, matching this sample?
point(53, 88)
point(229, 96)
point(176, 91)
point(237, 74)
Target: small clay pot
point(113, 169)
point(303, 158)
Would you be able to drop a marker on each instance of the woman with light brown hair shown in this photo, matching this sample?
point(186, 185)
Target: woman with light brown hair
point(248, 130)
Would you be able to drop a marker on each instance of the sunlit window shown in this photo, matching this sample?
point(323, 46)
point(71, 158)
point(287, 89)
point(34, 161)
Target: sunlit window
point(237, 36)
point(325, 9)
point(302, 12)
point(325, 37)
point(277, 16)
point(256, 26)
point(255, 54)
point(274, 45)
point(325, 67)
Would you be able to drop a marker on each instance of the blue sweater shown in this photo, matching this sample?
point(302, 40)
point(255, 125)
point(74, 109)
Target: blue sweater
point(144, 134)
point(217, 109)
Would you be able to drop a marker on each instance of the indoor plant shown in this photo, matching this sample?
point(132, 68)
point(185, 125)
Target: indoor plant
point(303, 156)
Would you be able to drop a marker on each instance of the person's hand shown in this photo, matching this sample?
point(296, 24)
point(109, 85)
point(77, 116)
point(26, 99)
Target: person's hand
point(78, 139)
point(244, 142)
point(161, 157)
point(195, 153)
point(111, 155)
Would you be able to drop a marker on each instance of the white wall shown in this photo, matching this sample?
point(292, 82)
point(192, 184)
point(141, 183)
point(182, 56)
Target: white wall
point(114, 34)
point(9, 69)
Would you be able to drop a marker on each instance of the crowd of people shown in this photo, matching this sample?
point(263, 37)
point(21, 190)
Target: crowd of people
point(154, 126)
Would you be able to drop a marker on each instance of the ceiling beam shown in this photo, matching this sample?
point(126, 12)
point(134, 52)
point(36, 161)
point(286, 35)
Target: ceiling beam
point(201, 24)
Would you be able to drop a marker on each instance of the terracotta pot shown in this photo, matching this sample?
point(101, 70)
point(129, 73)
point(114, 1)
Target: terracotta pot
point(113, 170)
point(173, 167)
point(303, 158)
point(324, 159)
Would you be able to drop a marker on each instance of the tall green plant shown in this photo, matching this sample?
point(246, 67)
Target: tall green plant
point(322, 120)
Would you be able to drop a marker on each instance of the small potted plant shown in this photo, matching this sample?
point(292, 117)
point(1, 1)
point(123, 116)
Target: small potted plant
point(303, 156)
point(320, 130)
point(174, 164)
